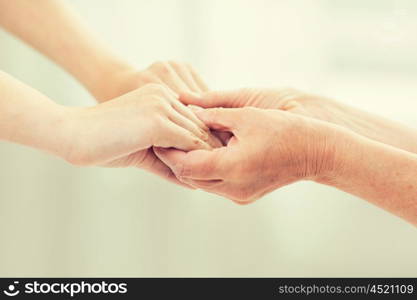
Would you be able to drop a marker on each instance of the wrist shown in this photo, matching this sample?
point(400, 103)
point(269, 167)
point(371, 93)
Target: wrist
point(346, 151)
point(44, 127)
point(112, 80)
point(73, 133)
point(60, 139)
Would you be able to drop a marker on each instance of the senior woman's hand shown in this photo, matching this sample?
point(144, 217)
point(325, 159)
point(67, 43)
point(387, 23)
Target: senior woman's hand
point(269, 149)
point(364, 123)
point(272, 148)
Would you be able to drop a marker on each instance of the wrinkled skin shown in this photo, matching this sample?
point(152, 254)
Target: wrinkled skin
point(361, 122)
point(268, 149)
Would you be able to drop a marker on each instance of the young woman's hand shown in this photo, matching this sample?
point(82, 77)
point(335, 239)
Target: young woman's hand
point(177, 76)
point(122, 132)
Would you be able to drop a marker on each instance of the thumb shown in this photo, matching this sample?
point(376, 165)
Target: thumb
point(211, 99)
point(223, 119)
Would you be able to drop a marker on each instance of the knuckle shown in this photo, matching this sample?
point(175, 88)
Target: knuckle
point(148, 78)
point(194, 142)
point(183, 170)
point(246, 112)
point(189, 66)
point(188, 170)
point(288, 94)
point(160, 104)
point(290, 105)
point(154, 88)
point(216, 112)
point(249, 109)
point(176, 63)
point(159, 124)
point(160, 67)
point(155, 64)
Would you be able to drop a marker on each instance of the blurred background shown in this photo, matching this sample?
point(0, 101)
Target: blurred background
point(59, 220)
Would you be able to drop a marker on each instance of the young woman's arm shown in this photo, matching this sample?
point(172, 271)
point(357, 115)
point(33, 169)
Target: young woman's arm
point(27, 117)
point(117, 133)
point(53, 28)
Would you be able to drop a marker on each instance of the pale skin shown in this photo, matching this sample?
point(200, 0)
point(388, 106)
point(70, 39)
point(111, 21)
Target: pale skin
point(272, 148)
point(154, 114)
point(110, 134)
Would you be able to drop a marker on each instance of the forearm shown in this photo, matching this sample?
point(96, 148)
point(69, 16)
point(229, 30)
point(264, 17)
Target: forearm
point(59, 33)
point(382, 129)
point(29, 118)
point(381, 174)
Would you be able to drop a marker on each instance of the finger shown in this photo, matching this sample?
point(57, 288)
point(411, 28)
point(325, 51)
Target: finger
point(223, 119)
point(208, 136)
point(186, 123)
point(188, 113)
point(196, 165)
point(211, 99)
point(154, 165)
point(149, 162)
point(169, 77)
point(186, 76)
point(180, 138)
point(197, 78)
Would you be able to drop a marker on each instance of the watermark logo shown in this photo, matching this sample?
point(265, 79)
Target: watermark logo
point(12, 289)
point(71, 288)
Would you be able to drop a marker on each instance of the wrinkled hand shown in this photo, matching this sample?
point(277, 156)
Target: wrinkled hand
point(121, 132)
point(366, 124)
point(268, 149)
point(287, 99)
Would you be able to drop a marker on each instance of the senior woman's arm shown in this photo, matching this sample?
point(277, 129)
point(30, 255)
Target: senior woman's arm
point(383, 175)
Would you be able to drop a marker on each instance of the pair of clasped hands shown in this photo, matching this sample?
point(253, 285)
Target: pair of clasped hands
point(239, 144)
